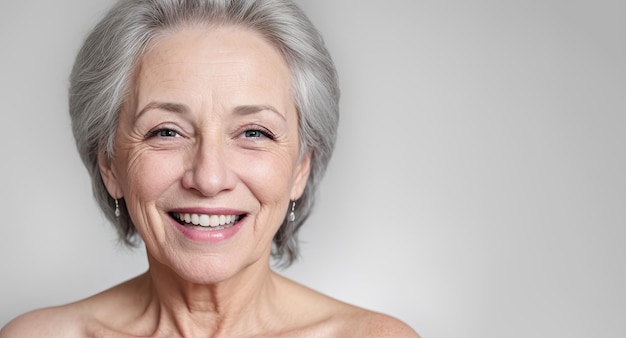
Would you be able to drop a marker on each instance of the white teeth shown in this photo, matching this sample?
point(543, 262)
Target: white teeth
point(204, 220)
point(215, 220)
point(208, 220)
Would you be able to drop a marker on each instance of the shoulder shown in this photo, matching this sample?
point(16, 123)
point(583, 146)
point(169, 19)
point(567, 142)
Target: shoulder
point(49, 322)
point(358, 322)
point(381, 325)
point(334, 318)
point(78, 319)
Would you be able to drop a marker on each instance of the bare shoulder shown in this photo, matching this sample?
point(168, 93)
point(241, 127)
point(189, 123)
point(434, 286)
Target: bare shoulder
point(381, 325)
point(333, 318)
point(352, 321)
point(79, 319)
point(49, 322)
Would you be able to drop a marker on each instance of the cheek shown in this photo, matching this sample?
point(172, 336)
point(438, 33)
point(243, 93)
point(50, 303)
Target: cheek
point(150, 173)
point(268, 175)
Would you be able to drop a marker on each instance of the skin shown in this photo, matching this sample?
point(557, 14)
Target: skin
point(185, 118)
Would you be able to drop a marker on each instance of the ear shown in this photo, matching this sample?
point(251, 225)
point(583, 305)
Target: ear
point(303, 170)
point(109, 177)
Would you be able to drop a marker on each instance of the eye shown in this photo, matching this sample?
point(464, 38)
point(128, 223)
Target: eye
point(163, 132)
point(258, 133)
point(253, 133)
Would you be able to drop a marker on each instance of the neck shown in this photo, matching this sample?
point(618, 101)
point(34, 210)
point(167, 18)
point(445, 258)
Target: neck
point(243, 304)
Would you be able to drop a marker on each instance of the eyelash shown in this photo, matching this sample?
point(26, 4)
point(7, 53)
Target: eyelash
point(173, 133)
point(260, 130)
point(156, 133)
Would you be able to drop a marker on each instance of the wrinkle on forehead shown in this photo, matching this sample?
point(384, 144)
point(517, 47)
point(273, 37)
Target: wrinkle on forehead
point(236, 55)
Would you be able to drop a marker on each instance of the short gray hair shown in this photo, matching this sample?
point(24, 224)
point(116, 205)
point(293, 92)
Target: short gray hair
point(104, 69)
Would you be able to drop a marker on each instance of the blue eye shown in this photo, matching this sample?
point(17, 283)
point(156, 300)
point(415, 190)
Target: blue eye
point(163, 133)
point(253, 133)
point(167, 133)
point(258, 133)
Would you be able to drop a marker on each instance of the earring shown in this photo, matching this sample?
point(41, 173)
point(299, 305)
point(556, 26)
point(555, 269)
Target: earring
point(292, 214)
point(117, 208)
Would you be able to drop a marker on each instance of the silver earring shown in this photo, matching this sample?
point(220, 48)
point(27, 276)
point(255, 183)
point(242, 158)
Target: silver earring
point(292, 214)
point(117, 208)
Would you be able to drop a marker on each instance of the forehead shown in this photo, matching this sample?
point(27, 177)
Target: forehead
point(214, 59)
point(200, 43)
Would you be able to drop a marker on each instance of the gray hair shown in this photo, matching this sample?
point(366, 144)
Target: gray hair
point(104, 69)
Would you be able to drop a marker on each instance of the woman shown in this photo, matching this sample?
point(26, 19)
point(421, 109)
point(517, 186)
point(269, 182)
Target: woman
point(206, 127)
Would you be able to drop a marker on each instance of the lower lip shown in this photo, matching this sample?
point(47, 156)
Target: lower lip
point(208, 236)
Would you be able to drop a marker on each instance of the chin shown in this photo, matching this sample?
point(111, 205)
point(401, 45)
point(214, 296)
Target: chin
point(211, 268)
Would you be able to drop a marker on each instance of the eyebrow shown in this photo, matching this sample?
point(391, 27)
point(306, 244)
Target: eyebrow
point(172, 107)
point(183, 109)
point(252, 109)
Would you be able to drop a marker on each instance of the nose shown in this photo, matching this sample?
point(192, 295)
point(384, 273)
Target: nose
point(209, 169)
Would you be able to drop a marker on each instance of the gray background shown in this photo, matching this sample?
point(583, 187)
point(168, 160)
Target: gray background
point(477, 189)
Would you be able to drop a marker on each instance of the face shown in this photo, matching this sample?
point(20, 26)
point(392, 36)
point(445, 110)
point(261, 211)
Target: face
point(206, 151)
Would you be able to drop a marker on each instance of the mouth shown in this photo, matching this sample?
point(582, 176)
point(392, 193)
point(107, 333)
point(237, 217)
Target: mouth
point(206, 221)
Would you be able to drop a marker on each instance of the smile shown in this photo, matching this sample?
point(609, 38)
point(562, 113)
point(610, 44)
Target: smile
point(208, 221)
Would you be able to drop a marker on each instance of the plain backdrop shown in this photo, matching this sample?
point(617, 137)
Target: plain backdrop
point(477, 188)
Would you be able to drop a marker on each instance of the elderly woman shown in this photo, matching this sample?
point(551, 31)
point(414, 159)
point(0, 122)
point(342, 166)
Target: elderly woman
point(206, 127)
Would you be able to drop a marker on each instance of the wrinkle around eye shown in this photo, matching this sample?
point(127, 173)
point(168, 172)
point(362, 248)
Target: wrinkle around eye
point(165, 137)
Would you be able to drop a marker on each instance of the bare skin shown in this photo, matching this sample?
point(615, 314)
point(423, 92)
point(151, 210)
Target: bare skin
point(147, 306)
